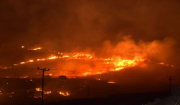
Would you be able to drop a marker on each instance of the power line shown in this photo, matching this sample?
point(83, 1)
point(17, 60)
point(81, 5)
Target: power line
point(43, 70)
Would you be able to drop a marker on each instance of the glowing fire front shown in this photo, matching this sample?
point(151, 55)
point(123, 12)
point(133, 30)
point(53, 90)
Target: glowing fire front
point(124, 54)
point(101, 65)
point(38, 48)
point(82, 56)
point(121, 64)
point(49, 92)
point(82, 64)
point(162, 63)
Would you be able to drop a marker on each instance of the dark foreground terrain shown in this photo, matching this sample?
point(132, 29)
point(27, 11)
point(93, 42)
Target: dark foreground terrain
point(63, 91)
point(119, 99)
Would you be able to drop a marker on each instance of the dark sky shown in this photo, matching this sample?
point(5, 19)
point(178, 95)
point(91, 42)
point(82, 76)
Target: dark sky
point(65, 25)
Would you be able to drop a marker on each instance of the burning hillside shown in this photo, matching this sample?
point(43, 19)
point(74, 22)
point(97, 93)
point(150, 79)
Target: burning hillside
point(102, 47)
point(81, 38)
point(125, 54)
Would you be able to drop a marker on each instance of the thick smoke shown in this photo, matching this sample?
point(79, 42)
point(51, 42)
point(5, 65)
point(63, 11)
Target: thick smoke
point(83, 25)
point(65, 24)
point(68, 25)
point(161, 50)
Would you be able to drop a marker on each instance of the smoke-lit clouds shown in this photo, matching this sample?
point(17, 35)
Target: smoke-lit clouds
point(68, 25)
point(121, 29)
point(160, 50)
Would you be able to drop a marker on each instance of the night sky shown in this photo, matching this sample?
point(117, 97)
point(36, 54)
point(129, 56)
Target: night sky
point(92, 25)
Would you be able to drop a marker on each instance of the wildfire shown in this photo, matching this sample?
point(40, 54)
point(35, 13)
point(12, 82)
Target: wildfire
point(16, 64)
point(112, 64)
point(38, 48)
point(41, 59)
point(47, 92)
point(162, 63)
point(22, 46)
point(38, 89)
point(53, 57)
point(111, 82)
point(87, 73)
point(82, 56)
point(65, 56)
point(121, 64)
point(22, 62)
point(31, 60)
point(64, 93)
point(101, 65)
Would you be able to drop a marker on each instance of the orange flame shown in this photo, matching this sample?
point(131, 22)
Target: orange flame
point(38, 89)
point(64, 93)
point(101, 65)
point(38, 48)
point(111, 82)
point(47, 92)
point(53, 57)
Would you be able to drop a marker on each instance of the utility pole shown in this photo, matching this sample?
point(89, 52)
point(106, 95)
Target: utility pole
point(43, 70)
point(170, 78)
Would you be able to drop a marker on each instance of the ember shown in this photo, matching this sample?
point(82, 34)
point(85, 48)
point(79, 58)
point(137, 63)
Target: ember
point(38, 48)
point(64, 93)
point(111, 82)
point(38, 89)
point(47, 92)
